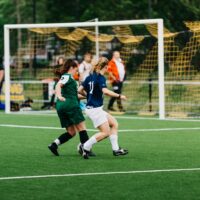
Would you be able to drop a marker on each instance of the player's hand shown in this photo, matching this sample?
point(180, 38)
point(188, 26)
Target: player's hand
point(61, 98)
point(123, 97)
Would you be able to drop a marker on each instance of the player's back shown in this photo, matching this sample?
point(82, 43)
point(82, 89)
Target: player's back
point(93, 86)
point(69, 91)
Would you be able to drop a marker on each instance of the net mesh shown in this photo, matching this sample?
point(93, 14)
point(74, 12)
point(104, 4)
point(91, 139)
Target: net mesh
point(33, 60)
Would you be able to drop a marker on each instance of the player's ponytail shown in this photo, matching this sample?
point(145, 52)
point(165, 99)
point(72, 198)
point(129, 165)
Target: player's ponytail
point(65, 67)
point(100, 64)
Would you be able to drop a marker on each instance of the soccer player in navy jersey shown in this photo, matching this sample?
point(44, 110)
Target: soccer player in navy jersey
point(95, 87)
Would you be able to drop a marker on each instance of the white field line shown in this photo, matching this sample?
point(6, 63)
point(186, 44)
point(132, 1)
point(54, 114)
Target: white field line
point(94, 130)
point(154, 118)
point(53, 114)
point(100, 173)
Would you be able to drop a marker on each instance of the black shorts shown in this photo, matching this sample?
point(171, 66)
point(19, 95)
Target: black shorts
point(69, 118)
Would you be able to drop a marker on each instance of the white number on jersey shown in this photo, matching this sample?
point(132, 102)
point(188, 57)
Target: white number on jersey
point(64, 79)
point(91, 83)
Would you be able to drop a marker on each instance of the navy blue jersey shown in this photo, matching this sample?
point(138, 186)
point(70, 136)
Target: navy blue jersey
point(93, 85)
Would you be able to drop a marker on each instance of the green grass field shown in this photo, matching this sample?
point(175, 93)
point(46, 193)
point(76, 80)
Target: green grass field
point(163, 161)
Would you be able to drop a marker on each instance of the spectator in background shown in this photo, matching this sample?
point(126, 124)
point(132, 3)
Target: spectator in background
point(60, 61)
point(84, 70)
point(117, 73)
point(85, 67)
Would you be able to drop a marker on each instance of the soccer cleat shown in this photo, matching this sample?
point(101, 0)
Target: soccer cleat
point(90, 153)
point(53, 148)
point(85, 153)
point(79, 149)
point(122, 110)
point(120, 152)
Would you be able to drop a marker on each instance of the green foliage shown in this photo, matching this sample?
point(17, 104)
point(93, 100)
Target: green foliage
point(47, 11)
point(177, 92)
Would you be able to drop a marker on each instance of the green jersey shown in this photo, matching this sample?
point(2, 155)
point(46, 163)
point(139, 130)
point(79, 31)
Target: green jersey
point(69, 92)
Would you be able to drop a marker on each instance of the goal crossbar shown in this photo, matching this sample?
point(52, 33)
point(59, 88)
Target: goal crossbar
point(84, 24)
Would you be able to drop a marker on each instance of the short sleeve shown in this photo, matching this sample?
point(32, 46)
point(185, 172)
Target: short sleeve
point(81, 68)
point(64, 79)
point(102, 82)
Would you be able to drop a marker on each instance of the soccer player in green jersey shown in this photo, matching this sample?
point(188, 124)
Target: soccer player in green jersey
point(67, 106)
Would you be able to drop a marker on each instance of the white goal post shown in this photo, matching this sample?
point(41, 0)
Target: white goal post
point(95, 24)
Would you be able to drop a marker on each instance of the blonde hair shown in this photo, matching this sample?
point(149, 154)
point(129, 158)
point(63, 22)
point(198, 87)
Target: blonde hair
point(99, 64)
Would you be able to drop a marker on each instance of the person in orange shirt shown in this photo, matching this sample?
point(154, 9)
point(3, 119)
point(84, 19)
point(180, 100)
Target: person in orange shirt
point(76, 75)
point(116, 70)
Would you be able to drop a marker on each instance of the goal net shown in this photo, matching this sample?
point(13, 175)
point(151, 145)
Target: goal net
point(31, 52)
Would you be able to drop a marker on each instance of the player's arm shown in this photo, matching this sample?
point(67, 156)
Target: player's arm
point(63, 80)
point(81, 72)
point(81, 91)
point(1, 74)
point(110, 93)
point(106, 91)
point(81, 96)
point(59, 85)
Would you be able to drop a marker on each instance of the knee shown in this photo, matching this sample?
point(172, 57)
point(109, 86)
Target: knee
point(114, 125)
point(81, 127)
point(72, 133)
point(105, 134)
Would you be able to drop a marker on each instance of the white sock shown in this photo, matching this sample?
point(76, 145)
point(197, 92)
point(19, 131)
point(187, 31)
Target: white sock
point(88, 145)
point(57, 141)
point(114, 142)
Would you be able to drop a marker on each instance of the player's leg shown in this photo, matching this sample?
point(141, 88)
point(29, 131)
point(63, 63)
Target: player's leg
point(114, 132)
point(114, 136)
point(67, 123)
point(63, 138)
point(79, 124)
point(119, 101)
point(112, 99)
point(81, 128)
point(104, 133)
point(100, 121)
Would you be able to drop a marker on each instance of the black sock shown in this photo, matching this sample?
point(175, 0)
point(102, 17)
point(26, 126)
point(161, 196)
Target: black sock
point(64, 137)
point(83, 136)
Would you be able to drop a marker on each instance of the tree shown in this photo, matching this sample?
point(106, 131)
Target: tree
point(49, 11)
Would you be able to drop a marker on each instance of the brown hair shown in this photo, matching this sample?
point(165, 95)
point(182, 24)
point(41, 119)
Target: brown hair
point(100, 64)
point(65, 67)
point(58, 60)
point(87, 54)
